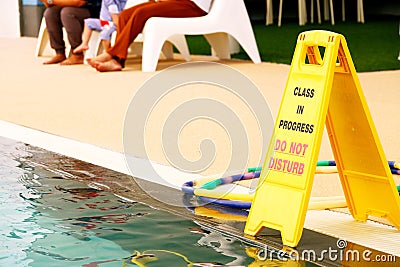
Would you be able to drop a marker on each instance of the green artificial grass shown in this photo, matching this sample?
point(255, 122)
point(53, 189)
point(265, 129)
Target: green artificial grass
point(374, 46)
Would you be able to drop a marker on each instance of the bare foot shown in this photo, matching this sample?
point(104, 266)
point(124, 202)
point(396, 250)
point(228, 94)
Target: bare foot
point(80, 49)
point(101, 58)
point(56, 59)
point(73, 60)
point(111, 65)
point(91, 62)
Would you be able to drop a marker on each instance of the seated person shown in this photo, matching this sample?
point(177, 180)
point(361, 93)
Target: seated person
point(68, 14)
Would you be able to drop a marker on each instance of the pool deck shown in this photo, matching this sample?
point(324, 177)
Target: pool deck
point(78, 112)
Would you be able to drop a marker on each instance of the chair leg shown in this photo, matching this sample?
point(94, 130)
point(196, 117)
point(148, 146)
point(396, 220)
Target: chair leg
point(269, 13)
point(136, 47)
point(326, 9)
point(302, 12)
point(152, 46)
point(179, 41)
point(332, 14)
point(168, 50)
point(43, 39)
point(343, 10)
point(94, 46)
point(68, 50)
point(219, 44)
point(360, 11)
point(135, 50)
point(312, 11)
point(318, 11)
point(250, 47)
point(280, 13)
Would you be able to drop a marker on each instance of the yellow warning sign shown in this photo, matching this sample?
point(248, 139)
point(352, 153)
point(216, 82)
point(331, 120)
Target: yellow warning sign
point(322, 88)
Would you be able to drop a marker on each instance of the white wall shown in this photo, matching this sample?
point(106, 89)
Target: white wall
point(9, 19)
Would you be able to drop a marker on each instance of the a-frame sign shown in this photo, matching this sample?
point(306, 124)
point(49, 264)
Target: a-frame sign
point(322, 88)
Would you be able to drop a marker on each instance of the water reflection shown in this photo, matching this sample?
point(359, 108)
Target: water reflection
point(52, 221)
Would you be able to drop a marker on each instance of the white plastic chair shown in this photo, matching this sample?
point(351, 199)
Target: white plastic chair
point(226, 17)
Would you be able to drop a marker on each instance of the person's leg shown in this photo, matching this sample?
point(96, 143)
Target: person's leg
point(54, 29)
point(90, 25)
point(123, 20)
point(106, 44)
point(105, 35)
point(72, 19)
point(137, 19)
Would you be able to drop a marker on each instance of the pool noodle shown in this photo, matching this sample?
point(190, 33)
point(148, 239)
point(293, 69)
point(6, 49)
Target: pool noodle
point(392, 165)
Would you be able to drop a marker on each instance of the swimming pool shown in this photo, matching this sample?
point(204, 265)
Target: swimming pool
point(49, 220)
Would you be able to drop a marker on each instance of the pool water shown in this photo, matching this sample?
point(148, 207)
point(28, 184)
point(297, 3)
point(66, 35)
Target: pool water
point(50, 221)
